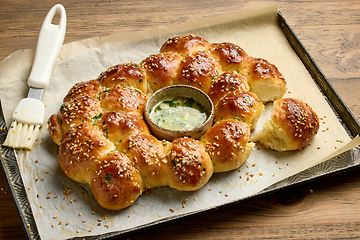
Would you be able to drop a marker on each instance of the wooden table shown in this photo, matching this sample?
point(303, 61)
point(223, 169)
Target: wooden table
point(329, 29)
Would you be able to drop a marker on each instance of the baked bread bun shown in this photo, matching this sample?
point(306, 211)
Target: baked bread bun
point(185, 45)
point(161, 69)
point(149, 156)
point(190, 167)
point(117, 126)
point(123, 99)
point(76, 111)
point(292, 126)
point(241, 105)
point(89, 88)
point(128, 74)
point(264, 79)
point(80, 148)
point(227, 143)
point(230, 56)
point(115, 182)
point(226, 83)
point(198, 70)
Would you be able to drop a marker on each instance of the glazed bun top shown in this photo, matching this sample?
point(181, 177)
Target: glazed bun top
point(225, 83)
point(197, 70)
point(293, 125)
point(264, 79)
point(230, 56)
point(115, 182)
point(190, 166)
point(297, 119)
point(89, 88)
point(185, 45)
point(241, 105)
point(161, 69)
point(128, 74)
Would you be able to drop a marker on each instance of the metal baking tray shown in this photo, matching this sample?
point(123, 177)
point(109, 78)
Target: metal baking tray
point(344, 162)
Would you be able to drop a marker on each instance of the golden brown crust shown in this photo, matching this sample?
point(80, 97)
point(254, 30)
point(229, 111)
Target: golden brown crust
point(189, 165)
point(241, 105)
point(227, 144)
point(161, 69)
point(115, 182)
point(127, 74)
point(80, 147)
point(197, 70)
point(185, 45)
point(117, 126)
point(260, 69)
point(292, 126)
point(226, 83)
point(264, 79)
point(149, 156)
point(297, 119)
point(123, 99)
point(55, 128)
point(229, 55)
point(89, 88)
point(78, 110)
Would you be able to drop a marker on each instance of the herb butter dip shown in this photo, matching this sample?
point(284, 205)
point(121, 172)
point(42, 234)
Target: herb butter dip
point(178, 114)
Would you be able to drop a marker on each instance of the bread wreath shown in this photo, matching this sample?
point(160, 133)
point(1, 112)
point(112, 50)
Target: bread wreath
point(104, 141)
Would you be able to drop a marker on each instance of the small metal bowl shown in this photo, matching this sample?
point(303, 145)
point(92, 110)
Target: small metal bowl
point(179, 91)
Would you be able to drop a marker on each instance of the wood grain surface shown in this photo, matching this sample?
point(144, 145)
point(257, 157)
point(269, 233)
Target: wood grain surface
point(330, 31)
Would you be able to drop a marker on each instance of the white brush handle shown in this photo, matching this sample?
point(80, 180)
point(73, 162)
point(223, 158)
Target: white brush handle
point(50, 40)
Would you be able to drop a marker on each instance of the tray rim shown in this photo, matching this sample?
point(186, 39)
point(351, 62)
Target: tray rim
point(23, 207)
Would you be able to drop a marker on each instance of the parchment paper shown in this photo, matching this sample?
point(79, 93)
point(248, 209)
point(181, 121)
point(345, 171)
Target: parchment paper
point(77, 214)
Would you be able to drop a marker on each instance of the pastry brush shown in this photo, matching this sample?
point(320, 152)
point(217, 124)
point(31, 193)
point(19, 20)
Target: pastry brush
point(28, 117)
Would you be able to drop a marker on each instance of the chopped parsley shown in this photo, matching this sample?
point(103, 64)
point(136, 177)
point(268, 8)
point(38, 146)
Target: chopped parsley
point(108, 177)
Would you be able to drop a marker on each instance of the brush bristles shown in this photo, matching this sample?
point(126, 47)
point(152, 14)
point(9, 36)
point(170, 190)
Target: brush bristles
point(22, 136)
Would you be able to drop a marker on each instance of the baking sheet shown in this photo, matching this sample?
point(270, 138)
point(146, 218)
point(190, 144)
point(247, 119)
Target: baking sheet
point(257, 32)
